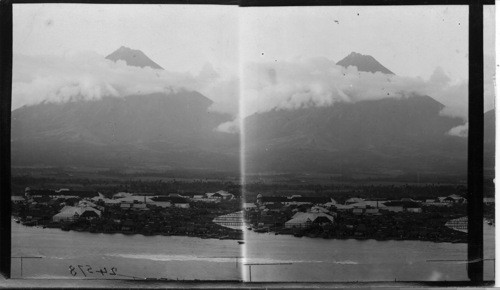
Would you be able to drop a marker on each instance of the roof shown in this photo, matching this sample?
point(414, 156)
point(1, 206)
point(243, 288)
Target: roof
point(318, 209)
point(132, 198)
point(304, 217)
point(86, 203)
point(249, 205)
point(224, 193)
point(70, 211)
point(354, 200)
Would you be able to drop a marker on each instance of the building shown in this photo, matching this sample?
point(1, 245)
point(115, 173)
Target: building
point(181, 204)
point(162, 204)
point(225, 195)
point(307, 200)
point(125, 205)
point(306, 219)
point(249, 205)
point(219, 195)
point(394, 206)
point(16, 199)
point(400, 206)
point(71, 213)
point(489, 200)
point(452, 199)
point(353, 200)
point(372, 211)
point(139, 207)
point(317, 208)
point(169, 201)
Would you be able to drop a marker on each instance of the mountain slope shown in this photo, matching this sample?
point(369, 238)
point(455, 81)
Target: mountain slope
point(405, 134)
point(176, 130)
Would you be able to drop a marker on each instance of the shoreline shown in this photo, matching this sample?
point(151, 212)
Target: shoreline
point(297, 234)
point(229, 234)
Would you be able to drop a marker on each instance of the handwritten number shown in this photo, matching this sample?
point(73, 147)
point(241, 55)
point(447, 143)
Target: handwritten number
point(103, 272)
point(72, 270)
point(83, 272)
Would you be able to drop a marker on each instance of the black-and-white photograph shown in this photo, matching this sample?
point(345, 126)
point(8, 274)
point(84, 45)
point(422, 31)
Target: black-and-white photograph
point(355, 142)
point(246, 144)
point(122, 167)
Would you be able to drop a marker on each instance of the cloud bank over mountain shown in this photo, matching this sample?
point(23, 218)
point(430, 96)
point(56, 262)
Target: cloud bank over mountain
point(90, 76)
point(284, 85)
point(319, 82)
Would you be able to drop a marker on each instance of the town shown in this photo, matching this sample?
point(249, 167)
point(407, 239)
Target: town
point(127, 213)
point(358, 218)
point(223, 215)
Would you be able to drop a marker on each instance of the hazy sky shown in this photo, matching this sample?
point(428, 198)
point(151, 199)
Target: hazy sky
point(177, 37)
point(409, 40)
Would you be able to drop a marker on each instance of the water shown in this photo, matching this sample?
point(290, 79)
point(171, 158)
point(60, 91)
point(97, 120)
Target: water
point(172, 257)
point(317, 259)
point(192, 258)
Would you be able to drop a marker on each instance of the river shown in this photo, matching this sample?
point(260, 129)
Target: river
point(317, 259)
point(172, 257)
point(190, 258)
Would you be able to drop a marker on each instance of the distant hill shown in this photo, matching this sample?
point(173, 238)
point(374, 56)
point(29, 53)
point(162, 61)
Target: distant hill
point(364, 63)
point(133, 58)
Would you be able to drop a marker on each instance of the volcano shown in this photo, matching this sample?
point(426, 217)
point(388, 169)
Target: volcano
point(390, 134)
point(364, 63)
point(133, 57)
point(174, 129)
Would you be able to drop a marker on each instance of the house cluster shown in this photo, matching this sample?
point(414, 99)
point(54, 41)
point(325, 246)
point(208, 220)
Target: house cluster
point(90, 205)
point(213, 197)
point(302, 211)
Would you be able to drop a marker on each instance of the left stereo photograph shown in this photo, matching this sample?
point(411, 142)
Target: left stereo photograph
point(125, 142)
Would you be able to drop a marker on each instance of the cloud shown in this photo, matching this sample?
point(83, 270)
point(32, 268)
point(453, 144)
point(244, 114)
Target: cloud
point(460, 131)
point(89, 76)
point(320, 82)
point(229, 127)
point(286, 85)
